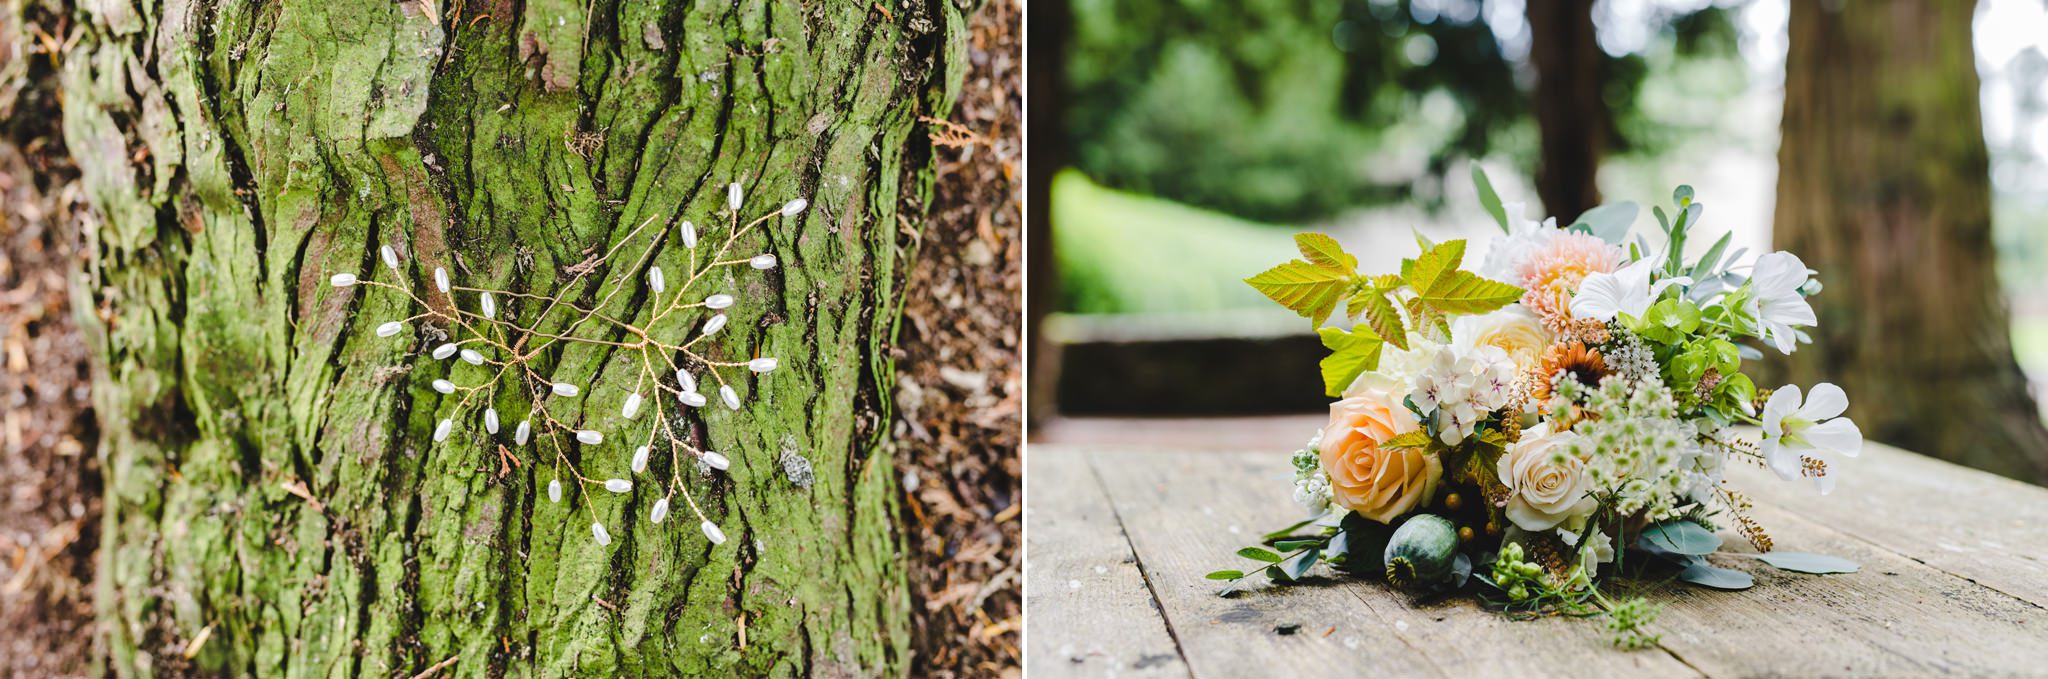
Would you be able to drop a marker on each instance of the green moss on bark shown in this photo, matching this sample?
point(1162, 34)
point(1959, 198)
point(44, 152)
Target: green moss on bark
point(238, 154)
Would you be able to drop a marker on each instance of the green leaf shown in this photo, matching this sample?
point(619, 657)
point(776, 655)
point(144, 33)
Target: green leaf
point(1699, 573)
point(1712, 258)
point(1670, 321)
point(1323, 251)
point(1297, 543)
point(1463, 292)
point(1487, 198)
point(1381, 315)
point(1610, 222)
point(1259, 554)
point(1682, 195)
point(1300, 565)
point(1413, 439)
point(1306, 289)
point(1224, 575)
point(1808, 563)
point(1680, 537)
point(1284, 532)
point(1433, 263)
point(1351, 353)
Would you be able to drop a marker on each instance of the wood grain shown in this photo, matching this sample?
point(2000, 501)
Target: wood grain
point(1086, 604)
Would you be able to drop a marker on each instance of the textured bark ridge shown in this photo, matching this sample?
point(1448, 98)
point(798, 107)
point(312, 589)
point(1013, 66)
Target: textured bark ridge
point(1884, 185)
point(276, 505)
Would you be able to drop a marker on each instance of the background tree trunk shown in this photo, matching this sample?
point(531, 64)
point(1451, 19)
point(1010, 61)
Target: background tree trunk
point(239, 153)
point(1884, 186)
point(1571, 115)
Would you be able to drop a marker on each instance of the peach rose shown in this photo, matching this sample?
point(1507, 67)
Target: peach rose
point(1377, 483)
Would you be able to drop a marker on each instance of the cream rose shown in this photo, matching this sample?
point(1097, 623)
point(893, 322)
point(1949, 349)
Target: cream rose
point(1397, 369)
point(1378, 483)
point(1546, 484)
point(1512, 328)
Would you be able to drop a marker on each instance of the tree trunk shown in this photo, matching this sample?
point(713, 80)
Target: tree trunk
point(276, 502)
point(1571, 115)
point(1884, 187)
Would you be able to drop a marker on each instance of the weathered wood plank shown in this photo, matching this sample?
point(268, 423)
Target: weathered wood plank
point(1086, 603)
point(1980, 526)
point(1187, 513)
point(1895, 616)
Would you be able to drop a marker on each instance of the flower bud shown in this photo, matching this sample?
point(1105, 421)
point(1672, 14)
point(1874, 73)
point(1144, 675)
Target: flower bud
point(762, 365)
point(639, 459)
point(441, 430)
point(659, 512)
point(472, 357)
point(389, 329)
point(522, 433)
point(689, 234)
point(490, 305)
point(692, 399)
point(712, 533)
point(390, 257)
point(685, 380)
point(791, 208)
point(565, 389)
point(590, 436)
point(730, 397)
point(714, 324)
point(555, 490)
point(342, 280)
point(444, 386)
point(732, 196)
point(445, 350)
point(716, 461)
point(441, 278)
point(762, 262)
point(656, 281)
point(718, 301)
point(618, 485)
point(597, 531)
point(491, 420)
point(632, 406)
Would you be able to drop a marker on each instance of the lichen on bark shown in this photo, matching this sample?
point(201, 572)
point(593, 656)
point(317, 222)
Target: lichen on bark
point(272, 487)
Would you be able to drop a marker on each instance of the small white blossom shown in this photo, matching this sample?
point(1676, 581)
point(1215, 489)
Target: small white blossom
point(1462, 387)
point(1776, 301)
point(689, 234)
point(444, 386)
point(390, 257)
point(791, 208)
point(713, 325)
point(471, 356)
point(555, 490)
point(733, 196)
point(342, 280)
point(712, 533)
point(491, 420)
point(730, 397)
point(441, 430)
point(618, 485)
point(441, 278)
point(565, 389)
point(444, 351)
point(659, 512)
point(490, 305)
point(762, 365)
point(718, 301)
point(685, 380)
point(522, 432)
point(391, 328)
point(762, 262)
point(603, 536)
point(639, 459)
point(692, 399)
point(1794, 431)
point(632, 406)
point(590, 436)
point(716, 461)
point(656, 281)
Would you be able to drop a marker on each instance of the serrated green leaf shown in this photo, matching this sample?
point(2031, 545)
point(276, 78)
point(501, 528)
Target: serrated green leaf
point(1380, 315)
point(1427, 319)
point(1463, 292)
point(1351, 353)
point(1487, 198)
point(1304, 288)
point(1387, 282)
point(1808, 563)
point(1413, 439)
point(1323, 251)
point(1433, 264)
point(1259, 554)
point(1224, 575)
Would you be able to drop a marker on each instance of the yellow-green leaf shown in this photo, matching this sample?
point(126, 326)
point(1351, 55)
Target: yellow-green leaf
point(1380, 314)
point(1351, 353)
point(1463, 292)
point(1413, 439)
point(1323, 251)
point(1307, 289)
point(1431, 266)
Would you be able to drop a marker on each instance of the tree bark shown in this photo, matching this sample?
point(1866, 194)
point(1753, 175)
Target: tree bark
point(275, 504)
point(1884, 187)
point(1571, 115)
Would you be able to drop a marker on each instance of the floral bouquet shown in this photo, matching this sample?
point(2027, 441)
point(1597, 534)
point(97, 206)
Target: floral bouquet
point(1569, 401)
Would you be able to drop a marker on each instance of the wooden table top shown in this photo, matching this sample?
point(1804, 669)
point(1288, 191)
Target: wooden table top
point(1123, 518)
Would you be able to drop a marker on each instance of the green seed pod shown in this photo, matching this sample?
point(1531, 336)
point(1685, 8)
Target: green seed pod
point(1422, 552)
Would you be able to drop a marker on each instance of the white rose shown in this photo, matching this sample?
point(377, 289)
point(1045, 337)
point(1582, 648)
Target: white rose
point(1397, 370)
point(1546, 484)
point(1512, 329)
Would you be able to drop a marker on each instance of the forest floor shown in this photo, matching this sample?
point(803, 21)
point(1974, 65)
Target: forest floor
point(49, 499)
point(960, 378)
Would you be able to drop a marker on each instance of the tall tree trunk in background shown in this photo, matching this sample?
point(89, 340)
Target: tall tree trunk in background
point(275, 505)
point(1884, 186)
point(1571, 115)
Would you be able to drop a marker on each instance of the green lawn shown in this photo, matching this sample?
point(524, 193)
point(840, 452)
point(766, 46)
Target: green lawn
point(1126, 253)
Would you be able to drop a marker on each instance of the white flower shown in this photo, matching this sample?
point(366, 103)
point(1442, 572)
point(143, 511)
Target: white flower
point(1775, 300)
point(719, 301)
point(1461, 388)
point(1313, 492)
point(597, 531)
point(342, 280)
point(1546, 484)
point(1626, 291)
point(1504, 254)
point(791, 208)
point(1512, 328)
point(762, 365)
point(639, 463)
point(762, 262)
point(1397, 370)
point(730, 397)
point(712, 533)
point(714, 324)
point(659, 512)
point(590, 436)
point(716, 461)
point(1794, 431)
point(689, 234)
point(618, 485)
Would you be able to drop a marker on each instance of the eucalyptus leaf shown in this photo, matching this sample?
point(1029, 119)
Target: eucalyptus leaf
point(1808, 563)
point(1680, 537)
point(1259, 554)
point(1718, 578)
point(1298, 567)
point(1610, 222)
